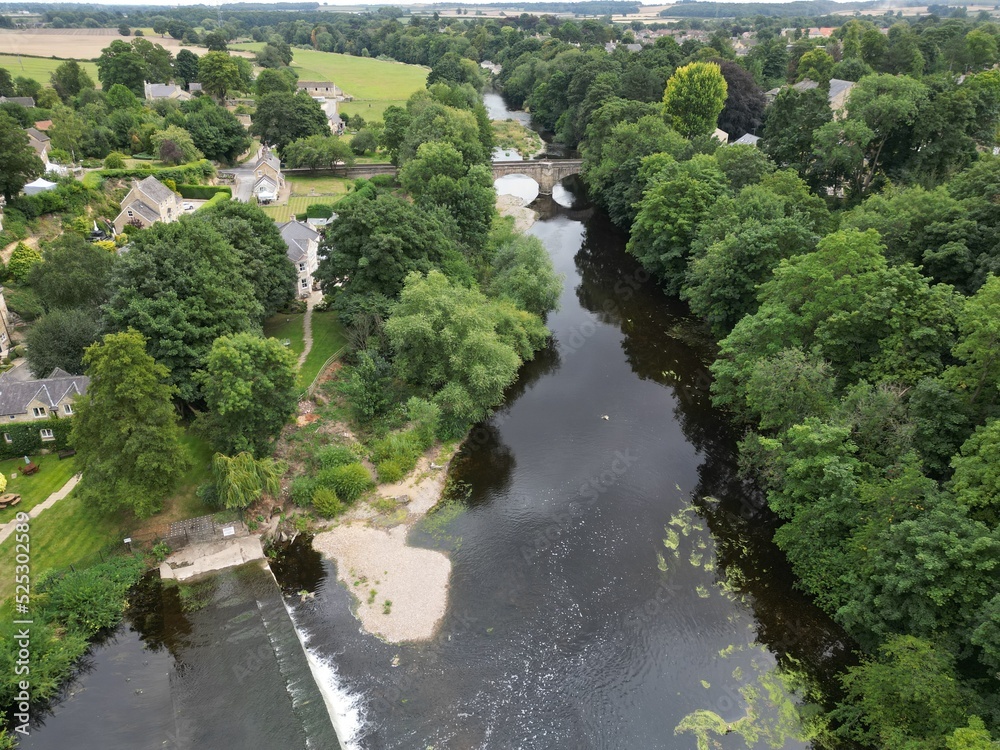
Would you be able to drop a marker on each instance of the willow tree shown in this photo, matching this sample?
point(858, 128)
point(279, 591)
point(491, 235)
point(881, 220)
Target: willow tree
point(242, 480)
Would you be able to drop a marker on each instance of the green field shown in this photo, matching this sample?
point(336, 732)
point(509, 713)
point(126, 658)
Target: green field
point(374, 84)
point(297, 205)
point(40, 68)
point(328, 337)
point(306, 191)
point(287, 327)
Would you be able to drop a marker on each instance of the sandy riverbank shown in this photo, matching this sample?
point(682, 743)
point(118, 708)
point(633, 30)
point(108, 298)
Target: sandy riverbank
point(371, 553)
point(511, 205)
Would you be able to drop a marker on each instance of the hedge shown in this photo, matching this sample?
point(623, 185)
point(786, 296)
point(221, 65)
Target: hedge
point(186, 173)
point(203, 192)
point(26, 437)
point(215, 199)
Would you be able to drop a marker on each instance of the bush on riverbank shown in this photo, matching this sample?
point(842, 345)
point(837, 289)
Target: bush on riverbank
point(349, 482)
point(69, 607)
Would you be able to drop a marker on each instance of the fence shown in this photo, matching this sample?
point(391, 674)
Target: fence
point(311, 388)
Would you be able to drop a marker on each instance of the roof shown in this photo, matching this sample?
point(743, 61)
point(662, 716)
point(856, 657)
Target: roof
point(51, 391)
point(24, 101)
point(746, 140)
point(37, 135)
point(316, 85)
point(143, 209)
point(297, 236)
point(838, 87)
point(155, 189)
point(193, 86)
point(267, 157)
point(43, 124)
point(805, 85)
point(165, 91)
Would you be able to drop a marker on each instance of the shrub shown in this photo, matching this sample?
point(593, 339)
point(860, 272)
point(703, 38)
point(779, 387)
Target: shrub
point(326, 502)
point(203, 192)
point(301, 491)
point(332, 456)
point(349, 482)
point(426, 418)
point(24, 302)
point(114, 160)
point(319, 211)
point(91, 599)
point(21, 261)
point(389, 471)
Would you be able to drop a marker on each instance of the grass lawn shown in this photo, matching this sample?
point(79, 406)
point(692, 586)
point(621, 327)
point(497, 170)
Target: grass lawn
point(298, 205)
point(52, 474)
point(361, 77)
point(319, 185)
point(328, 337)
point(370, 110)
point(287, 327)
point(40, 68)
point(61, 536)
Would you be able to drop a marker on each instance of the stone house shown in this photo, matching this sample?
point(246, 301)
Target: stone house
point(303, 251)
point(31, 400)
point(148, 202)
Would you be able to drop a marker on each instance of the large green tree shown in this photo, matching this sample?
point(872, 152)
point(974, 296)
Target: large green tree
point(453, 343)
point(219, 74)
point(694, 97)
point(69, 79)
point(215, 130)
point(20, 162)
point(125, 430)
point(249, 388)
point(182, 286)
point(75, 273)
point(59, 338)
point(261, 252)
point(281, 118)
point(120, 63)
point(323, 151)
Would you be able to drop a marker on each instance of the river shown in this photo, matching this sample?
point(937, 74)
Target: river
point(611, 572)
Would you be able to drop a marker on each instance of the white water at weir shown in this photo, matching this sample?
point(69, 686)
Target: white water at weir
point(345, 708)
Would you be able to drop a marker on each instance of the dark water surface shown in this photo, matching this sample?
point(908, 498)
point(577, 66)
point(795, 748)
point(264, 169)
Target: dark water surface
point(562, 631)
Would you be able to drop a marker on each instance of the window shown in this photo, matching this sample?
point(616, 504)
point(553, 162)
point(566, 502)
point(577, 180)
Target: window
point(3, 337)
point(130, 214)
point(302, 266)
point(68, 408)
point(7, 438)
point(304, 283)
point(38, 411)
point(47, 435)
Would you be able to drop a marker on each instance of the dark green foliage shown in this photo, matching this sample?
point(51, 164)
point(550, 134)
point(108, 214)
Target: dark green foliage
point(183, 285)
point(301, 491)
point(26, 439)
point(368, 386)
point(59, 338)
point(283, 117)
point(89, 600)
point(203, 192)
point(21, 164)
point(74, 273)
point(522, 272)
point(326, 502)
point(23, 301)
point(215, 130)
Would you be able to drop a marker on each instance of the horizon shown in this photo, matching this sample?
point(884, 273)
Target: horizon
point(400, 3)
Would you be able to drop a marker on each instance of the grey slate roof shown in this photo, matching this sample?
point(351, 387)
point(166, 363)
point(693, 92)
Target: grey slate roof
point(746, 139)
point(805, 85)
point(297, 236)
point(155, 189)
point(146, 211)
point(267, 157)
point(24, 101)
point(838, 87)
point(38, 135)
point(162, 90)
point(16, 395)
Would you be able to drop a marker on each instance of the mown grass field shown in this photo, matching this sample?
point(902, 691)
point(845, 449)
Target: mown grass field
point(374, 84)
point(52, 474)
point(307, 190)
point(328, 337)
point(40, 68)
point(298, 205)
point(287, 327)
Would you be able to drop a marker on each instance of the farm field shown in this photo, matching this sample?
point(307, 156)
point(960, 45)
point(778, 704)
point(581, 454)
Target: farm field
point(39, 68)
point(374, 84)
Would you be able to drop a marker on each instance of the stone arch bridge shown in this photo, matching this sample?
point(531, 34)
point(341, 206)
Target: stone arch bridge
point(546, 173)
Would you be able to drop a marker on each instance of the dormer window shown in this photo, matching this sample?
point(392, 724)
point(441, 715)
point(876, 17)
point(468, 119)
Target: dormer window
point(38, 411)
point(67, 408)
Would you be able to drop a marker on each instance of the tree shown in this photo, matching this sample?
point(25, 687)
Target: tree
point(271, 81)
point(216, 131)
point(182, 285)
point(450, 341)
point(125, 430)
point(262, 254)
point(20, 162)
point(396, 122)
point(669, 213)
point(976, 481)
point(694, 97)
point(120, 63)
point(816, 65)
point(432, 121)
point(186, 67)
point(59, 338)
point(121, 98)
point(175, 145)
point(75, 274)
point(977, 378)
point(250, 391)
point(69, 79)
point(521, 271)
point(376, 241)
point(7, 87)
point(318, 152)
point(215, 41)
point(242, 480)
point(281, 118)
point(743, 111)
point(364, 142)
point(438, 176)
point(789, 124)
point(908, 697)
point(452, 69)
point(219, 74)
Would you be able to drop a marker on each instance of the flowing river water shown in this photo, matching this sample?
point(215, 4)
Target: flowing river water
point(611, 572)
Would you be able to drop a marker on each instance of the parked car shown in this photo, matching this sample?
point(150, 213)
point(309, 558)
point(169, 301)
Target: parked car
point(188, 206)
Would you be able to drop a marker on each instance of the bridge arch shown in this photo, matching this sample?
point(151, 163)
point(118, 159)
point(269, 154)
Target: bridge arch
point(547, 174)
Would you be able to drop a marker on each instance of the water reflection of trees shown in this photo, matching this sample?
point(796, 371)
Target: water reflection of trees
point(664, 344)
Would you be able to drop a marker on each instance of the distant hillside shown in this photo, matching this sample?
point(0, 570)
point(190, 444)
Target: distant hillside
point(804, 8)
